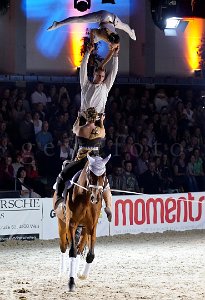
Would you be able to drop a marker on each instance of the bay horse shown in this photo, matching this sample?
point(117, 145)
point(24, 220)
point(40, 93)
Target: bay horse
point(82, 208)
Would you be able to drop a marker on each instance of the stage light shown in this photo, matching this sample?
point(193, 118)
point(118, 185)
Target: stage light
point(82, 5)
point(167, 16)
point(108, 1)
point(174, 26)
point(172, 22)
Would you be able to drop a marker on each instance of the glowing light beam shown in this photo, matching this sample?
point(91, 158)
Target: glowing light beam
point(193, 35)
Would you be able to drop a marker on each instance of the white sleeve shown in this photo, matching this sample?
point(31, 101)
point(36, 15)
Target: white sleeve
point(112, 75)
point(83, 70)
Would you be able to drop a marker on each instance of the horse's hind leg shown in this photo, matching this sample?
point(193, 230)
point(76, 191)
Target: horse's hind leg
point(82, 241)
point(63, 246)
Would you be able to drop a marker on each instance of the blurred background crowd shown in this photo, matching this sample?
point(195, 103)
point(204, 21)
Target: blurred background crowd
point(156, 137)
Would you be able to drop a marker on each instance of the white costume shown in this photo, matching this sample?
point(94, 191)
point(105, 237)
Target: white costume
point(95, 95)
point(104, 18)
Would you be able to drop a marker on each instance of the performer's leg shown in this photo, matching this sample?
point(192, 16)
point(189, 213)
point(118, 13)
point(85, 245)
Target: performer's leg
point(123, 26)
point(107, 196)
point(67, 173)
point(88, 18)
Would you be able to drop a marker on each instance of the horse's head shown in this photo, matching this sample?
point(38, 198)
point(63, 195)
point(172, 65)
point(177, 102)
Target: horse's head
point(96, 177)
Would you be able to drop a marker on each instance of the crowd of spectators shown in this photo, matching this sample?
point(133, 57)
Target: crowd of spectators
point(156, 137)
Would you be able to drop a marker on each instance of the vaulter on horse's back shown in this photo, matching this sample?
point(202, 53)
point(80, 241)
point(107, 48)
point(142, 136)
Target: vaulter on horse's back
point(89, 138)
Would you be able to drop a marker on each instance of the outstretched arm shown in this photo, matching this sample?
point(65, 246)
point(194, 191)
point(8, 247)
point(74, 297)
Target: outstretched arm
point(114, 68)
point(107, 58)
point(83, 67)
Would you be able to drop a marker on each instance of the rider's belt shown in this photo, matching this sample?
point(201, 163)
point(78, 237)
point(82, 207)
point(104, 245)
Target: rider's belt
point(89, 148)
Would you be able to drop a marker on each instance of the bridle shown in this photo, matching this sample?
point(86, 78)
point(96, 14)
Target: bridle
point(97, 187)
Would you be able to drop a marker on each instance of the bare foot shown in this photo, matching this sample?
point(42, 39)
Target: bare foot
point(53, 26)
point(133, 36)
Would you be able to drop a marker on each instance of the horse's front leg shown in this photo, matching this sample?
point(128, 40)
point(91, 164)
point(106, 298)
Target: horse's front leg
point(91, 255)
point(73, 260)
point(63, 246)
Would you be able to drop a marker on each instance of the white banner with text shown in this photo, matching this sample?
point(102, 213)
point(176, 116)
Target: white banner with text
point(158, 213)
point(33, 218)
point(20, 219)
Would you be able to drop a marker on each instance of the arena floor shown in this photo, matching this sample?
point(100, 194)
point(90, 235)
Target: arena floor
point(146, 266)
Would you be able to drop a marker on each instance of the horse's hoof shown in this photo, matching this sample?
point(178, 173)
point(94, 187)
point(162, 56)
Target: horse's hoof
point(82, 277)
point(72, 288)
point(71, 285)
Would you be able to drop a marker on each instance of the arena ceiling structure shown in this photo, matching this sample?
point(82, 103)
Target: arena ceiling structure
point(172, 16)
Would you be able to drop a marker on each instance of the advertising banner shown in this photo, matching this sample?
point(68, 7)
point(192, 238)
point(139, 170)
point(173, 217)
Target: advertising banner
point(20, 219)
point(49, 221)
point(33, 218)
point(158, 213)
point(50, 224)
point(103, 227)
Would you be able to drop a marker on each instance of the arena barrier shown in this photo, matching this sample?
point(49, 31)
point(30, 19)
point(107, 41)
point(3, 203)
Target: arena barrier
point(34, 218)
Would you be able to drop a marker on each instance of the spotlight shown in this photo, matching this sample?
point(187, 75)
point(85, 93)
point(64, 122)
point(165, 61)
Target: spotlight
point(174, 26)
point(172, 22)
point(108, 1)
point(82, 5)
point(167, 16)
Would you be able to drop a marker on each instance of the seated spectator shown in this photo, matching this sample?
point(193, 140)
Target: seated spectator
point(26, 104)
point(142, 163)
point(52, 97)
point(38, 96)
point(189, 113)
point(26, 130)
point(3, 130)
point(37, 122)
point(199, 170)
point(65, 150)
point(6, 173)
point(166, 174)
point(18, 163)
point(44, 137)
point(149, 181)
point(160, 100)
point(130, 147)
point(192, 182)
point(27, 154)
point(40, 109)
point(46, 150)
point(150, 134)
point(6, 147)
point(180, 173)
point(131, 183)
point(5, 109)
point(117, 179)
point(18, 111)
point(23, 185)
point(109, 148)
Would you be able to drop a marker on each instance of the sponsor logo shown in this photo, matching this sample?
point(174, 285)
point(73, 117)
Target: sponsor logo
point(19, 203)
point(157, 210)
point(52, 214)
